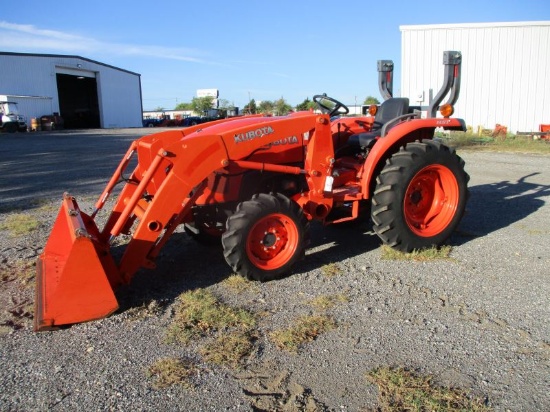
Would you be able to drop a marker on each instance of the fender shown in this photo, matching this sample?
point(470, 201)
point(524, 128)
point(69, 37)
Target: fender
point(398, 136)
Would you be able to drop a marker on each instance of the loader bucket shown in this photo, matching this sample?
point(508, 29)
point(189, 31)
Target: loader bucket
point(75, 274)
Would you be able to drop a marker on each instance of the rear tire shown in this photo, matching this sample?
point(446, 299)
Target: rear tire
point(420, 196)
point(265, 237)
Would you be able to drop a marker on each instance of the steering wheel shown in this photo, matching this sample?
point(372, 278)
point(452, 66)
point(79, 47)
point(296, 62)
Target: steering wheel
point(334, 109)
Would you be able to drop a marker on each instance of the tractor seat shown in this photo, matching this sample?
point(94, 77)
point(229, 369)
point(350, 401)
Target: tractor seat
point(388, 110)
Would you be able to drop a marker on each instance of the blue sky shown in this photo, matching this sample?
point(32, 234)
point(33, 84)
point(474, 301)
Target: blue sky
point(257, 49)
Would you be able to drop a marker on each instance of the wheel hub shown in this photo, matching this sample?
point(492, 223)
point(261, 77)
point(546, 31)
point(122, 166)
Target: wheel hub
point(431, 200)
point(272, 241)
point(269, 239)
point(416, 197)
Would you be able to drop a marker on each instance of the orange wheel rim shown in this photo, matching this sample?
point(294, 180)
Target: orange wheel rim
point(272, 241)
point(431, 200)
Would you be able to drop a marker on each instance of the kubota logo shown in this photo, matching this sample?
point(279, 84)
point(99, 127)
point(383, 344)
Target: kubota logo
point(253, 134)
point(286, 140)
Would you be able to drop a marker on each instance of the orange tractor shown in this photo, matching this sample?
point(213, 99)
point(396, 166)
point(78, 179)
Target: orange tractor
point(255, 183)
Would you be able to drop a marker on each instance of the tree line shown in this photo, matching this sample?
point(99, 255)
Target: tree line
point(280, 107)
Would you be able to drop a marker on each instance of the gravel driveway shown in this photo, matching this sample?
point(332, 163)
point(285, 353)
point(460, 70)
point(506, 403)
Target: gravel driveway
point(479, 321)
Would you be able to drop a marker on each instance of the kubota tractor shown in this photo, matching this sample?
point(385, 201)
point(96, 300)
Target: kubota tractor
point(254, 183)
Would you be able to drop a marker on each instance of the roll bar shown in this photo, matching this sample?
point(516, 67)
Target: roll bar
point(451, 83)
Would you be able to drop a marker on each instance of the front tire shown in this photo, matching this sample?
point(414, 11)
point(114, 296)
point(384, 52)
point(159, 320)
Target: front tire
point(265, 237)
point(11, 127)
point(420, 196)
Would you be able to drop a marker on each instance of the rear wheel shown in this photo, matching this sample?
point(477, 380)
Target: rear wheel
point(420, 196)
point(265, 237)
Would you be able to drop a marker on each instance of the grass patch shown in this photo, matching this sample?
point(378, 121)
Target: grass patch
point(433, 253)
point(331, 270)
point(238, 284)
point(510, 143)
point(199, 312)
point(401, 390)
point(305, 329)
point(229, 349)
point(20, 224)
point(23, 271)
point(325, 302)
point(172, 371)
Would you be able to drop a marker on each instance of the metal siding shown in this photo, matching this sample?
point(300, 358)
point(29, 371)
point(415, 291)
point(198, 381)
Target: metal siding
point(504, 70)
point(119, 91)
point(120, 101)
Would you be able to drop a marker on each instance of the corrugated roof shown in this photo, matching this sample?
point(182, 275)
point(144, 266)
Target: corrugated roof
point(67, 56)
point(474, 25)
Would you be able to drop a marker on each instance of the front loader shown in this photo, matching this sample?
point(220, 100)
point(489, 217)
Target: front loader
point(254, 184)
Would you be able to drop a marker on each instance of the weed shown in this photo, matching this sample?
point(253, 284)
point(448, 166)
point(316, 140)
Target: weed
point(433, 253)
point(144, 311)
point(172, 371)
point(401, 390)
point(229, 349)
point(328, 301)
point(198, 312)
point(305, 329)
point(331, 270)
point(20, 224)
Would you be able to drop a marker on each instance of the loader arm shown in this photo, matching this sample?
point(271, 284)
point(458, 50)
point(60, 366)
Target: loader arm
point(172, 170)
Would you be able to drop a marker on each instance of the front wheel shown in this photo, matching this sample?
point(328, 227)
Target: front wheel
point(420, 196)
point(11, 127)
point(265, 237)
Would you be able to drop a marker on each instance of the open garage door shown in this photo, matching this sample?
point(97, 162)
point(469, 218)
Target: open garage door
point(78, 101)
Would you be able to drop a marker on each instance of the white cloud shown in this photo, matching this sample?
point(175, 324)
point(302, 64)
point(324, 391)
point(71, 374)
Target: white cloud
point(28, 38)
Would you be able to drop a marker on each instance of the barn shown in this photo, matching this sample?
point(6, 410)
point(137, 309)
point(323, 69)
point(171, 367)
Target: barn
point(505, 70)
point(84, 92)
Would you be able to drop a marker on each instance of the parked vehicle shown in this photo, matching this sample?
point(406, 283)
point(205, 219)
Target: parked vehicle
point(10, 119)
point(152, 122)
point(52, 122)
point(191, 121)
point(254, 184)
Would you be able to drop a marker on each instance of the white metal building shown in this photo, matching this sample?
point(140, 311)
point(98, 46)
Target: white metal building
point(86, 93)
point(505, 70)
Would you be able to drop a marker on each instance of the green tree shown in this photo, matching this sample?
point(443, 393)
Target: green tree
point(266, 107)
point(159, 109)
point(371, 100)
point(250, 108)
point(305, 105)
point(201, 105)
point(183, 106)
point(282, 108)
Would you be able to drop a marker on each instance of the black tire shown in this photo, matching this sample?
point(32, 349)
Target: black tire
point(11, 127)
point(265, 237)
point(420, 196)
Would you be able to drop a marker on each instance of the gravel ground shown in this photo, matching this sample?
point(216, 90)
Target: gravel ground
point(479, 321)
